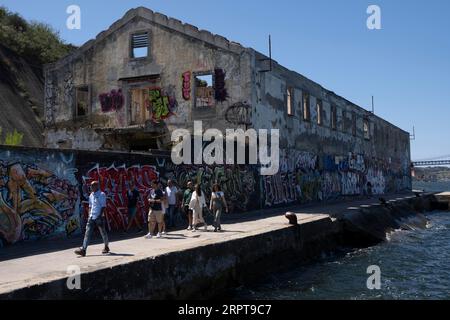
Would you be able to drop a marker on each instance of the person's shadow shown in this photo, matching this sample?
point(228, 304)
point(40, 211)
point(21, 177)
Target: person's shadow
point(179, 236)
point(111, 254)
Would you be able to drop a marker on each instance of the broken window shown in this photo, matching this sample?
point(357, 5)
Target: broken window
point(344, 120)
point(204, 91)
point(82, 101)
point(366, 128)
point(319, 106)
point(290, 102)
point(333, 117)
point(306, 110)
point(139, 45)
point(354, 123)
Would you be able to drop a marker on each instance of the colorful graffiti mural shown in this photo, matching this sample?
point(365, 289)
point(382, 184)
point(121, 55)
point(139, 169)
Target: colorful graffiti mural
point(161, 105)
point(115, 182)
point(111, 101)
point(305, 177)
point(39, 196)
point(239, 183)
point(44, 194)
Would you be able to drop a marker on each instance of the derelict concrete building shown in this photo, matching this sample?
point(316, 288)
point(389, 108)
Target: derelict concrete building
point(131, 86)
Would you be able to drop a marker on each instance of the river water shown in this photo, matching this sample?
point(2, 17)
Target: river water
point(413, 265)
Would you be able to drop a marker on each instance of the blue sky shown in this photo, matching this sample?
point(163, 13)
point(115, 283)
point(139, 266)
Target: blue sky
point(406, 65)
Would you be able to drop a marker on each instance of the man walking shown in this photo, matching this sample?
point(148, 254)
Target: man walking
point(133, 198)
point(171, 193)
point(97, 205)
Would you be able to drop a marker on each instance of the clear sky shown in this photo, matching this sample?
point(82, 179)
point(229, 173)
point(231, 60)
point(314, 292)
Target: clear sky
point(405, 65)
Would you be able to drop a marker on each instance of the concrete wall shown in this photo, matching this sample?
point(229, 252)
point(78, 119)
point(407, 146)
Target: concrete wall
point(44, 192)
point(39, 194)
point(319, 161)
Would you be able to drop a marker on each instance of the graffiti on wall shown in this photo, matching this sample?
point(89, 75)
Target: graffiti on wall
point(239, 114)
point(68, 89)
point(186, 85)
point(238, 182)
point(50, 100)
point(115, 182)
point(305, 177)
point(111, 101)
point(297, 181)
point(377, 180)
point(161, 104)
point(220, 92)
point(356, 162)
point(39, 197)
point(331, 185)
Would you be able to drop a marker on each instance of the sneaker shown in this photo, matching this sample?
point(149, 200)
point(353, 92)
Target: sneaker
point(105, 250)
point(164, 233)
point(215, 229)
point(148, 236)
point(80, 252)
point(158, 235)
point(189, 228)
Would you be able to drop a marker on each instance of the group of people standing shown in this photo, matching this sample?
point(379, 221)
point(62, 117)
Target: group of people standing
point(194, 203)
point(164, 207)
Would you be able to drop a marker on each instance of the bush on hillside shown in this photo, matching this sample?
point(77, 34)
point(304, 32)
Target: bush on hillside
point(35, 41)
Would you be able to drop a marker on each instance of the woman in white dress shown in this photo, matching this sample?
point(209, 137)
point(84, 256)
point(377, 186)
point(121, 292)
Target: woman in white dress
point(197, 204)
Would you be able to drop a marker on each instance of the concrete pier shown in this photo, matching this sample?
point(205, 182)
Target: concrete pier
point(444, 198)
point(202, 264)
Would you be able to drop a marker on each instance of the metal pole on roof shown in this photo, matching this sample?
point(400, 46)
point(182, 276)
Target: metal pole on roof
point(270, 51)
point(373, 106)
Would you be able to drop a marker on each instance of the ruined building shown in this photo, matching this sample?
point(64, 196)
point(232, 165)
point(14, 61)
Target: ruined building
point(131, 86)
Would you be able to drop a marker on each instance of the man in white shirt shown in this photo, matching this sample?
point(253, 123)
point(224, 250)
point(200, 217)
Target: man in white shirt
point(97, 205)
point(171, 194)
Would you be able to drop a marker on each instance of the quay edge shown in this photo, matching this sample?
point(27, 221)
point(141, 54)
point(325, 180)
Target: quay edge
point(207, 271)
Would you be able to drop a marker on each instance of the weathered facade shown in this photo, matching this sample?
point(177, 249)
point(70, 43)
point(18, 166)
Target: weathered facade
point(148, 74)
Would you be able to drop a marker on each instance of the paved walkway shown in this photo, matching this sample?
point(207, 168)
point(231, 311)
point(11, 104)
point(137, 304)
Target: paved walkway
point(27, 264)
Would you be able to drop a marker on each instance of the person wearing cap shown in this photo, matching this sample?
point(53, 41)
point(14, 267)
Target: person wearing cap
point(97, 205)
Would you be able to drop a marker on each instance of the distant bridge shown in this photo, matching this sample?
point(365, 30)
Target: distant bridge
point(431, 163)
